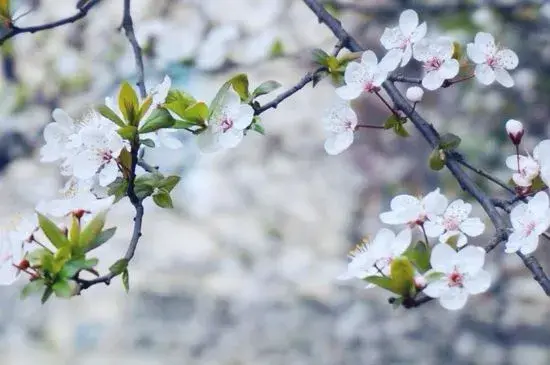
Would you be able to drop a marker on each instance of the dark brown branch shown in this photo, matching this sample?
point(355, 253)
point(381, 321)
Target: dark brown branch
point(82, 12)
point(128, 26)
point(433, 138)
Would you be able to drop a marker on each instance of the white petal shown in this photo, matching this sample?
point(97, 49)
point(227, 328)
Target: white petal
point(407, 55)
point(541, 152)
point(231, 138)
point(514, 243)
point(458, 237)
point(168, 140)
point(485, 74)
point(539, 204)
point(402, 242)
point(473, 227)
point(432, 81)
point(64, 120)
point(85, 165)
point(339, 142)
point(518, 213)
point(475, 53)
point(545, 174)
point(246, 113)
point(458, 209)
point(391, 60)
point(471, 259)
point(435, 202)
point(503, 77)
point(368, 60)
point(453, 299)
point(486, 43)
point(108, 173)
point(354, 73)
point(392, 218)
point(404, 202)
point(208, 142)
point(512, 161)
point(435, 289)
point(421, 50)
point(419, 33)
point(443, 258)
point(507, 59)
point(529, 245)
point(350, 91)
point(478, 283)
point(408, 21)
point(433, 229)
point(392, 38)
point(449, 69)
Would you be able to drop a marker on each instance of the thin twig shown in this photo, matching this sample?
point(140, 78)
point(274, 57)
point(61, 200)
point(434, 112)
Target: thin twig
point(82, 12)
point(486, 175)
point(128, 26)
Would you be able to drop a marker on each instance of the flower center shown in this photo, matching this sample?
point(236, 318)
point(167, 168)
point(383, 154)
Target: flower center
point(529, 228)
point(456, 279)
point(370, 88)
point(451, 224)
point(226, 124)
point(433, 64)
point(492, 61)
point(106, 155)
point(406, 41)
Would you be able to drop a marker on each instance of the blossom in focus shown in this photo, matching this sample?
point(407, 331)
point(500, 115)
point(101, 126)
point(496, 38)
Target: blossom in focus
point(227, 124)
point(403, 37)
point(340, 122)
point(407, 209)
point(455, 222)
point(492, 62)
point(529, 221)
point(374, 258)
point(458, 275)
point(438, 63)
point(366, 76)
point(514, 129)
point(58, 136)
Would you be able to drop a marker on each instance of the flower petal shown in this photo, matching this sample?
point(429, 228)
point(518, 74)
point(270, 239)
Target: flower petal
point(391, 60)
point(503, 77)
point(408, 21)
point(244, 117)
point(485, 74)
point(458, 210)
point(368, 60)
point(350, 91)
point(449, 69)
point(478, 283)
point(485, 42)
point(435, 202)
point(432, 81)
point(473, 227)
point(402, 242)
point(208, 142)
point(338, 142)
point(435, 289)
point(539, 204)
point(443, 258)
point(433, 229)
point(392, 38)
point(453, 299)
point(419, 32)
point(471, 259)
point(507, 59)
point(475, 53)
point(230, 138)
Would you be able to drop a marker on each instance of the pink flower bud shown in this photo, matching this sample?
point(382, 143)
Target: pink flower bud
point(420, 281)
point(515, 131)
point(415, 94)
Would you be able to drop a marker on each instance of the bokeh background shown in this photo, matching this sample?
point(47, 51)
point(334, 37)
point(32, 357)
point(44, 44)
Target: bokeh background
point(243, 270)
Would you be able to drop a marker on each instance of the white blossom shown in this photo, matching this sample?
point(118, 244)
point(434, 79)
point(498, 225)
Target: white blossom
point(340, 122)
point(407, 209)
point(11, 254)
point(514, 129)
point(455, 222)
point(492, 62)
point(58, 136)
point(366, 76)
point(438, 62)
point(460, 274)
point(374, 258)
point(528, 168)
point(404, 36)
point(24, 228)
point(226, 125)
point(529, 221)
point(415, 94)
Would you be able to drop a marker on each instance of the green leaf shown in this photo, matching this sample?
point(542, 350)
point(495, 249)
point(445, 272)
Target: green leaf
point(92, 229)
point(240, 85)
point(277, 49)
point(73, 266)
point(320, 57)
point(169, 183)
point(196, 113)
point(453, 240)
point(118, 267)
point(63, 289)
point(126, 280)
point(128, 103)
point(449, 141)
point(144, 107)
point(110, 114)
point(537, 184)
point(101, 238)
point(74, 230)
point(128, 132)
point(218, 99)
point(46, 295)
point(35, 257)
point(333, 64)
point(147, 142)
point(391, 122)
point(402, 275)
point(177, 101)
point(32, 288)
point(52, 231)
point(142, 191)
point(400, 130)
point(265, 88)
point(159, 118)
point(162, 199)
point(5, 10)
point(383, 282)
point(437, 159)
point(419, 256)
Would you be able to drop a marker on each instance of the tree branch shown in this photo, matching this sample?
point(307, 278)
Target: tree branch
point(128, 26)
point(433, 138)
point(82, 12)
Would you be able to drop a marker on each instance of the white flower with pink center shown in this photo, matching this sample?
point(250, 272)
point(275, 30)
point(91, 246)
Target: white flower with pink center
point(528, 168)
point(227, 124)
point(408, 209)
point(366, 76)
point(340, 122)
point(455, 223)
point(436, 55)
point(456, 275)
point(374, 258)
point(403, 37)
point(529, 221)
point(492, 62)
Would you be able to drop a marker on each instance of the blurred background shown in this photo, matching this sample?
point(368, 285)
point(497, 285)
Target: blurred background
point(243, 270)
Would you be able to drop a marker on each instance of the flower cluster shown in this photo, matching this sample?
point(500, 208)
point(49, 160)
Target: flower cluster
point(439, 59)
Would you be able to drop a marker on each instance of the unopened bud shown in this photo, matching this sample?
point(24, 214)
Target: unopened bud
point(24, 265)
point(415, 94)
point(515, 131)
point(420, 281)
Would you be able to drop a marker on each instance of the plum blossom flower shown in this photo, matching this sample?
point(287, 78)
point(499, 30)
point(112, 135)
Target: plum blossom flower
point(460, 274)
point(407, 209)
point(374, 258)
point(403, 37)
point(438, 62)
point(226, 125)
point(100, 146)
point(58, 136)
point(77, 196)
point(492, 62)
point(529, 221)
point(455, 223)
point(11, 254)
point(366, 76)
point(528, 168)
point(340, 122)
